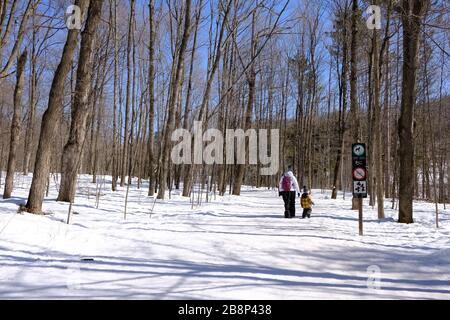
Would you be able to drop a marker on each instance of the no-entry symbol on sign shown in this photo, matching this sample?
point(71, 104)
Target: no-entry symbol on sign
point(359, 174)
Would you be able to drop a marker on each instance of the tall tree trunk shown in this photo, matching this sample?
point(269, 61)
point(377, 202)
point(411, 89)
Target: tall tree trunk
point(387, 119)
point(125, 158)
point(115, 161)
point(32, 103)
point(412, 14)
point(80, 108)
point(151, 92)
point(187, 174)
point(132, 97)
point(175, 86)
point(370, 124)
point(442, 196)
point(214, 61)
point(377, 146)
point(251, 81)
point(342, 111)
point(50, 120)
point(15, 125)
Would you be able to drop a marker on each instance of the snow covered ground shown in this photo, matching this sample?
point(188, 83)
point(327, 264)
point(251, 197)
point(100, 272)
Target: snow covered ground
point(231, 248)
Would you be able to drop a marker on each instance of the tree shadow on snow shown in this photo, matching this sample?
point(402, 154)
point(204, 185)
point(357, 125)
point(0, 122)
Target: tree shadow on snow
point(122, 274)
point(14, 200)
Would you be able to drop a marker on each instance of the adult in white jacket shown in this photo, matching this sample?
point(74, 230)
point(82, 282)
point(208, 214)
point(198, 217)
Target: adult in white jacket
point(288, 188)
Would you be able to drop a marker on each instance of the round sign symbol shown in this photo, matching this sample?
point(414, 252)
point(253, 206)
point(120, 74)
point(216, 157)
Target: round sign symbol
point(359, 174)
point(358, 150)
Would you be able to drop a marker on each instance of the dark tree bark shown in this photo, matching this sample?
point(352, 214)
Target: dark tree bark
point(151, 92)
point(125, 152)
point(50, 120)
point(115, 161)
point(251, 81)
point(15, 125)
point(175, 87)
point(80, 108)
point(188, 172)
point(412, 12)
point(32, 103)
point(206, 94)
point(341, 125)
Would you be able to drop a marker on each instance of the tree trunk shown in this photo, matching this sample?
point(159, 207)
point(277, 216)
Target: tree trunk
point(15, 126)
point(125, 158)
point(80, 108)
point(412, 14)
point(341, 125)
point(151, 92)
point(116, 75)
point(50, 120)
point(32, 104)
point(251, 80)
point(387, 117)
point(209, 82)
point(175, 86)
point(377, 146)
point(240, 169)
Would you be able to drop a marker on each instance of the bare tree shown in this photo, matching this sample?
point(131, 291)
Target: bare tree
point(251, 80)
point(412, 12)
point(126, 138)
point(51, 119)
point(115, 162)
point(32, 101)
point(213, 62)
point(15, 125)
point(5, 34)
point(341, 52)
point(174, 91)
point(80, 107)
point(151, 93)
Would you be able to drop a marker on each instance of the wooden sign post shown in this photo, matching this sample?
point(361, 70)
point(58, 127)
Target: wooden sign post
point(359, 173)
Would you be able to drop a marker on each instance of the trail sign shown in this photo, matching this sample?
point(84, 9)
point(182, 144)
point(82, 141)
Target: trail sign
point(359, 171)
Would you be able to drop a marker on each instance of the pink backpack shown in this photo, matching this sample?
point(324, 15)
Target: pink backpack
point(286, 183)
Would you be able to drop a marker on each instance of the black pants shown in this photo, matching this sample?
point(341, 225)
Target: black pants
point(306, 213)
point(289, 203)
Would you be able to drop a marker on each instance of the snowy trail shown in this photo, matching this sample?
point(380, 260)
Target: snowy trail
point(231, 248)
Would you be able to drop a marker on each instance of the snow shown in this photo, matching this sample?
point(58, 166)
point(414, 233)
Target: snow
point(230, 248)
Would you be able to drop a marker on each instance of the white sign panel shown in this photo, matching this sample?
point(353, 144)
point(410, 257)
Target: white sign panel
point(359, 187)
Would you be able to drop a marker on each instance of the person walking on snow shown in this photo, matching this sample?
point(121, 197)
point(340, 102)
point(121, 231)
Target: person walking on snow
point(307, 202)
point(287, 189)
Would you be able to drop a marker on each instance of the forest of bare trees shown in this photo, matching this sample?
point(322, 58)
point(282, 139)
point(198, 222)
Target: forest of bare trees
point(104, 99)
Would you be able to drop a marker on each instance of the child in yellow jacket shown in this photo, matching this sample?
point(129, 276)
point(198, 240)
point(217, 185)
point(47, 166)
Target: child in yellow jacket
point(306, 202)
